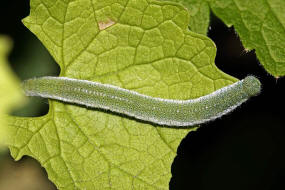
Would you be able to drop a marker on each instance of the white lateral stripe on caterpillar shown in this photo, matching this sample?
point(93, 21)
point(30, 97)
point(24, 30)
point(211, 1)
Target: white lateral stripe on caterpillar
point(156, 110)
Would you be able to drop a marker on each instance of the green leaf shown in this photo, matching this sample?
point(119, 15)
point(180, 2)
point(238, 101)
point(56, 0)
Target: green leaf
point(260, 25)
point(10, 93)
point(139, 45)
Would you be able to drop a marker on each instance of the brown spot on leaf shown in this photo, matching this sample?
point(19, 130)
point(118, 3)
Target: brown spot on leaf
point(104, 25)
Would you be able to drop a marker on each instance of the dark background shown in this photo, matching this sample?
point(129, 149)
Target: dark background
point(242, 150)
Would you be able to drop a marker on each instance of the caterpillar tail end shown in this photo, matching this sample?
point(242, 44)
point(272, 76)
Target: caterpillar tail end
point(251, 86)
point(28, 88)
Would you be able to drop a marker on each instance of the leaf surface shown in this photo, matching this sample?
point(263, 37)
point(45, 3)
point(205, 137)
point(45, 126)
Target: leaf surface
point(199, 11)
point(138, 45)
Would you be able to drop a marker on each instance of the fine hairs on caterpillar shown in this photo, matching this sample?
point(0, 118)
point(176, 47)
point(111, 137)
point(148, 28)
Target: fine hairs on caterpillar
point(156, 110)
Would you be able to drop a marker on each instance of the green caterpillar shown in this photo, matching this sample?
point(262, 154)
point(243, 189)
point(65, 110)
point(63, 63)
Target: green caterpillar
point(156, 110)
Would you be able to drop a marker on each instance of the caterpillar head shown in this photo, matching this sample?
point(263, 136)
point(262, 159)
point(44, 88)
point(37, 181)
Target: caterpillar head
point(251, 86)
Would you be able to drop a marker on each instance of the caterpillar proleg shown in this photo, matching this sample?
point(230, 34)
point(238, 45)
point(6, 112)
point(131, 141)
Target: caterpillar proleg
point(156, 110)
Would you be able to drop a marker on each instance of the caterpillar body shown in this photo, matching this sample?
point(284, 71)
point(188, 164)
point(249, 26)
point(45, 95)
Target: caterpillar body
point(156, 110)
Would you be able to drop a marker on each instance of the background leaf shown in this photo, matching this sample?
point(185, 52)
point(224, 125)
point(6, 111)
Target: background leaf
point(10, 93)
point(260, 25)
point(140, 45)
